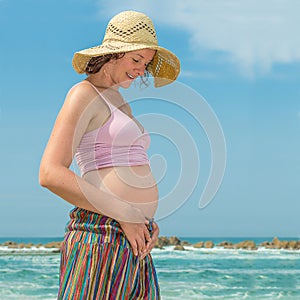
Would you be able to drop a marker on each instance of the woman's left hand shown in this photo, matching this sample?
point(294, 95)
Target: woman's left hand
point(152, 242)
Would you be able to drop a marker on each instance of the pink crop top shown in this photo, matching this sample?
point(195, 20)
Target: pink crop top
point(119, 142)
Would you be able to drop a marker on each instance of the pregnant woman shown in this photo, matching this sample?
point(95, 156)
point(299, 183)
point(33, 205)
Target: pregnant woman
point(106, 249)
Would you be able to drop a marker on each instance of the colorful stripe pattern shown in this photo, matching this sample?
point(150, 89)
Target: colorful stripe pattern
point(97, 262)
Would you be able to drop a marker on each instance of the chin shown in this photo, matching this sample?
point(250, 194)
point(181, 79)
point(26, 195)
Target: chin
point(126, 84)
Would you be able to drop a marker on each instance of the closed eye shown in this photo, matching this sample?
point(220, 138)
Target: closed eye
point(137, 61)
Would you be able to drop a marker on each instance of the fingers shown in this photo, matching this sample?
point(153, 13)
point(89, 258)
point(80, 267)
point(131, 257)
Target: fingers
point(141, 240)
point(137, 235)
point(147, 240)
point(148, 249)
point(155, 230)
point(141, 244)
point(150, 244)
point(137, 243)
point(134, 247)
point(147, 235)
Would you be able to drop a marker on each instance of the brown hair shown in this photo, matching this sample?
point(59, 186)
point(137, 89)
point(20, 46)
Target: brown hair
point(97, 62)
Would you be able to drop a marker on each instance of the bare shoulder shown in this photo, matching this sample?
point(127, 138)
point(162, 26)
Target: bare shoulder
point(74, 118)
point(81, 95)
point(84, 103)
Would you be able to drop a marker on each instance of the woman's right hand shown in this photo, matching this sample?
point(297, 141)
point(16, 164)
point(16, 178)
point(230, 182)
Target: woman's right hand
point(137, 235)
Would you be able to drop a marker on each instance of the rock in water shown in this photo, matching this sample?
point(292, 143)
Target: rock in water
point(179, 247)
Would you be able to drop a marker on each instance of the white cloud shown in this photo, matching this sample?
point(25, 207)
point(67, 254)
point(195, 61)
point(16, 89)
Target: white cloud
point(197, 74)
point(252, 34)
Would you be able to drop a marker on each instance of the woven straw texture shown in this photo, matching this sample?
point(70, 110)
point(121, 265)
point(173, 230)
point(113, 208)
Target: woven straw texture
point(129, 31)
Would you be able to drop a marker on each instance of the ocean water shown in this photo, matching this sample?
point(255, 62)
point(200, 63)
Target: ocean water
point(191, 274)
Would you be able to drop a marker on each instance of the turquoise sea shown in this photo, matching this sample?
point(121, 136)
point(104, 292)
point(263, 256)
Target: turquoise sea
point(192, 274)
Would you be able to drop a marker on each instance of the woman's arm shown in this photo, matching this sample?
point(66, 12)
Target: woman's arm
point(74, 118)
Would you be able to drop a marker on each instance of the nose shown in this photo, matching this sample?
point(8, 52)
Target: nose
point(140, 70)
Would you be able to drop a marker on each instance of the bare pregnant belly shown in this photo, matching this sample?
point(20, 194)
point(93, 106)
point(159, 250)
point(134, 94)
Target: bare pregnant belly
point(133, 184)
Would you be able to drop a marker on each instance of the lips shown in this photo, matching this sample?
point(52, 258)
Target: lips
point(130, 76)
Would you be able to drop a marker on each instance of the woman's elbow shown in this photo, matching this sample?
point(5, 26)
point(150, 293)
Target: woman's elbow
point(45, 175)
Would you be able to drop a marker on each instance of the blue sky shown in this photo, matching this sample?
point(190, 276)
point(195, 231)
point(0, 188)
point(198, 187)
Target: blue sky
point(242, 57)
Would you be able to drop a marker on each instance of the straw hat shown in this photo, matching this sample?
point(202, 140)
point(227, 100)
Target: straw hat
point(129, 31)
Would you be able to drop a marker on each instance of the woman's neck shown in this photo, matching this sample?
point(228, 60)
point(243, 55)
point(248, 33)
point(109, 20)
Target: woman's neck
point(110, 92)
point(102, 81)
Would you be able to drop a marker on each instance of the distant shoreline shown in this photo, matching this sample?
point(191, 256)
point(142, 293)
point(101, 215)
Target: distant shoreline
point(231, 238)
point(54, 244)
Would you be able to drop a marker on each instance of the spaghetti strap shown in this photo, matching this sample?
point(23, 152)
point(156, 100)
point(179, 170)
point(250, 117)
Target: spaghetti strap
point(119, 141)
point(101, 95)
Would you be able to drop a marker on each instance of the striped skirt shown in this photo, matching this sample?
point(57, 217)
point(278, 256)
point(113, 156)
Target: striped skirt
point(97, 262)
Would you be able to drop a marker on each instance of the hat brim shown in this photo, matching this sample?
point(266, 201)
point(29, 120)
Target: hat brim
point(164, 67)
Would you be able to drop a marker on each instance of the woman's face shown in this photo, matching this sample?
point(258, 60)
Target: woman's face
point(133, 64)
